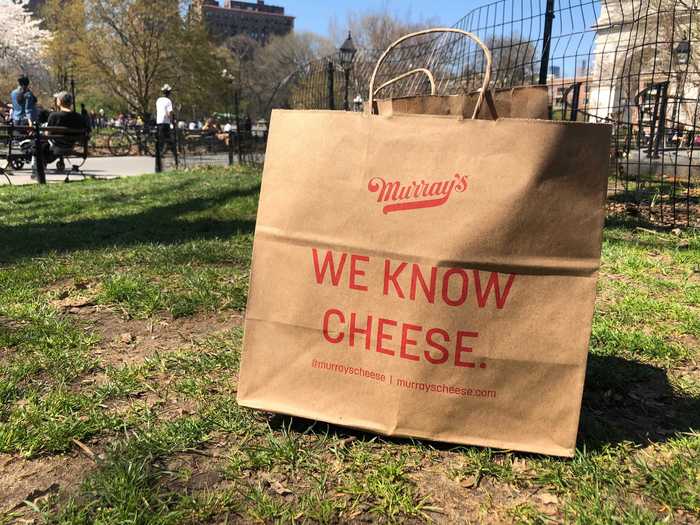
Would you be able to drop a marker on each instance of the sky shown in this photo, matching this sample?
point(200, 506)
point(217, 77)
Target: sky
point(316, 15)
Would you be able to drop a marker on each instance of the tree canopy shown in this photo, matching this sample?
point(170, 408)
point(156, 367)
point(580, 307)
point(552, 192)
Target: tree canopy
point(22, 43)
point(126, 49)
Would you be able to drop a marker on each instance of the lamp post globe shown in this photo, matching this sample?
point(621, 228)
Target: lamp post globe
point(347, 52)
point(681, 56)
point(682, 51)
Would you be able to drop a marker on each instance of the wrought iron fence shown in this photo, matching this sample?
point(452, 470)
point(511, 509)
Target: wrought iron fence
point(183, 149)
point(24, 149)
point(632, 63)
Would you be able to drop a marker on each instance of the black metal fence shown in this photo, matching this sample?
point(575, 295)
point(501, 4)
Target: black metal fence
point(195, 147)
point(632, 63)
point(66, 152)
point(184, 149)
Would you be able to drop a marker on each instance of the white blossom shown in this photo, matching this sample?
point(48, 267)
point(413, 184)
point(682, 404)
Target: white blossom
point(22, 40)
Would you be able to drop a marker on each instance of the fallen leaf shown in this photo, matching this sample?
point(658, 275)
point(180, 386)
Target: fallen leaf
point(280, 489)
point(548, 499)
point(549, 511)
point(85, 449)
point(520, 466)
point(126, 338)
point(345, 442)
point(276, 485)
point(470, 482)
point(75, 302)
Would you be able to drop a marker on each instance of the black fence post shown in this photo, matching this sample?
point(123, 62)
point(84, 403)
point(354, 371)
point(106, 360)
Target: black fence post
point(39, 157)
point(576, 101)
point(347, 89)
point(159, 148)
point(11, 138)
point(72, 89)
point(546, 41)
point(141, 133)
point(176, 146)
point(661, 140)
point(330, 72)
point(641, 98)
point(654, 121)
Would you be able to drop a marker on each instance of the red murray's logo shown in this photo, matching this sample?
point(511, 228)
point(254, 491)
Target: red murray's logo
point(415, 195)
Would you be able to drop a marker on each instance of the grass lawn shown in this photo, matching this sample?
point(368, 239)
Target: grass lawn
point(121, 309)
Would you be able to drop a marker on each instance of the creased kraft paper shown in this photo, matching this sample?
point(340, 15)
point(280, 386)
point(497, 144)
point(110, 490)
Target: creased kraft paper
point(426, 276)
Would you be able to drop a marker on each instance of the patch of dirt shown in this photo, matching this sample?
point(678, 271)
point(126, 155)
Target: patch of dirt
point(469, 500)
point(8, 325)
point(197, 470)
point(122, 341)
point(691, 342)
point(31, 480)
point(128, 341)
point(168, 407)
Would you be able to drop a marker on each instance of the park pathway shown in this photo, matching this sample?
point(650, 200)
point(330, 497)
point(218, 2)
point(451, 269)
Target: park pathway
point(97, 167)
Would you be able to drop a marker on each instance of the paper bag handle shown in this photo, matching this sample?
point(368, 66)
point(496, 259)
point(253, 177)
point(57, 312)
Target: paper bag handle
point(431, 79)
point(487, 53)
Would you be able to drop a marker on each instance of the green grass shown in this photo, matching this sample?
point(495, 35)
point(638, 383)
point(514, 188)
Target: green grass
point(162, 254)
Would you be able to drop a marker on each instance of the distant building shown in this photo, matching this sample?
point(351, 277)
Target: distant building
point(257, 20)
point(562, 89)
point(561, 92)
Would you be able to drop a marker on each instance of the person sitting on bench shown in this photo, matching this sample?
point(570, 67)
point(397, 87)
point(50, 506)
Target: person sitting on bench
point(60, 144)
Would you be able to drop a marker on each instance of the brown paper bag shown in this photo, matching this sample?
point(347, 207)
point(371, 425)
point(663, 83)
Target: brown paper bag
point(423, 276)
point(520, 102)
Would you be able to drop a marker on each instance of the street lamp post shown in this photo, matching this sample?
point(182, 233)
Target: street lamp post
point(682, 51)
point(235, 86)
point(347, 57)
point(72, 86)
point(681, 55)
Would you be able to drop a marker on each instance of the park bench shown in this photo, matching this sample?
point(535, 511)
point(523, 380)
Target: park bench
point(20, 144)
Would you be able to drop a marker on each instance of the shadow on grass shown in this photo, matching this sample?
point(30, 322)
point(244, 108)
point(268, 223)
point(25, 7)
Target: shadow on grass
point(625, 231)
point(624, 401)
point(631, 401)
point(155, 225)
point(660, 213)
point(629, 222)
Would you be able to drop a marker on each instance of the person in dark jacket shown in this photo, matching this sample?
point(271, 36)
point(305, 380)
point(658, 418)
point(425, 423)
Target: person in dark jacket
point(60, 142)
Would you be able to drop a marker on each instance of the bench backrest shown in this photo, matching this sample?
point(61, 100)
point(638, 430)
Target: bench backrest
point(78, 138)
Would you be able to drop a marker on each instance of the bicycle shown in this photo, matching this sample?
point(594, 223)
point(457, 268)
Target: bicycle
point(121, 142)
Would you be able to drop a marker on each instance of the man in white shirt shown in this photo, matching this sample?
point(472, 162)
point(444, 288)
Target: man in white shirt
point(164, 120)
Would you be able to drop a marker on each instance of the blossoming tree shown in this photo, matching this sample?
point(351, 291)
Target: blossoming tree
point(22, 41)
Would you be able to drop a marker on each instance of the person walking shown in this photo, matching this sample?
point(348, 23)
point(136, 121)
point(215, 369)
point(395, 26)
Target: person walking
point(23, 103)
point(86, 117)
point(165, 118)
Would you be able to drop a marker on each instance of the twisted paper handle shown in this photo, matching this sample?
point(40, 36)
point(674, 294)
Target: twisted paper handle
point(487, 73)
point(431, 79)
